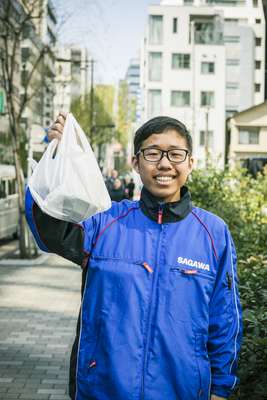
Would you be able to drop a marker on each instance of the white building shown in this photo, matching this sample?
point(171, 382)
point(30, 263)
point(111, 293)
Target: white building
point(202, 61)
point(247, 140)
point(71, 76)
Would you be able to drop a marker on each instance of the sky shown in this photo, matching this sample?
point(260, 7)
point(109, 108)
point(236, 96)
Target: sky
point(112, 31)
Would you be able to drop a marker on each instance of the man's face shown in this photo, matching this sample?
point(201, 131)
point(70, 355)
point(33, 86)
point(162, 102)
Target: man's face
point(117, 184)
point(163, 179)
point(114, 173)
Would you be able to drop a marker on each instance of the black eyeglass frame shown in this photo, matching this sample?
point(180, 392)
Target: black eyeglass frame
point(163, 152)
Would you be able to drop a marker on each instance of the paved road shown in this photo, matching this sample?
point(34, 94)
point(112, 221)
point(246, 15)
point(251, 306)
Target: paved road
point(38, 311)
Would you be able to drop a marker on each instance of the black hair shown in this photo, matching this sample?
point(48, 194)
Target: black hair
point(160, 125)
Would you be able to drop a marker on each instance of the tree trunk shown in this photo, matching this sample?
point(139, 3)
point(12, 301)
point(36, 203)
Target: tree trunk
point(24, 251)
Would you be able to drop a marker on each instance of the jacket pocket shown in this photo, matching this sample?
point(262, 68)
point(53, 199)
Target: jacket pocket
point(89, 340)
point(188, 295)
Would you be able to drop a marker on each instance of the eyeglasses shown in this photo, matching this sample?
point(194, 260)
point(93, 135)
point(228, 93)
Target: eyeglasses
point(176, 156)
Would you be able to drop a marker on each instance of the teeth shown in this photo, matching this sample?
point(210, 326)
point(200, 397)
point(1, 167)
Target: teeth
point(164, 178)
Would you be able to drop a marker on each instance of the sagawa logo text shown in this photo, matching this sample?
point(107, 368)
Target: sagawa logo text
point(192, 263)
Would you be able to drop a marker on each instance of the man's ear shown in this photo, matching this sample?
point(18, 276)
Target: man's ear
point(135, 164)
point(191, 163)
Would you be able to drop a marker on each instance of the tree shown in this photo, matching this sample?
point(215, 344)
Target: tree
point(126, 113)
point(18, 21)
point(103, 120)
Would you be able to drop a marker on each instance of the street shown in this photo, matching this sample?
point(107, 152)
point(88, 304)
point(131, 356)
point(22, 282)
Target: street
point(38, 311)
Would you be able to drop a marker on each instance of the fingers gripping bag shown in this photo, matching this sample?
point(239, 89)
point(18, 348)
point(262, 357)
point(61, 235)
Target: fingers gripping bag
point(67, 183)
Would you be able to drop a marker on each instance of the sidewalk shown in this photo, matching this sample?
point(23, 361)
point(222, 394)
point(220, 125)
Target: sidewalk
point(38, 312)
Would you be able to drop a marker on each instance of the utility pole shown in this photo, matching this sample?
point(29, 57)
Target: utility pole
point(92, 62)
point(207, 137)
point(193, 96)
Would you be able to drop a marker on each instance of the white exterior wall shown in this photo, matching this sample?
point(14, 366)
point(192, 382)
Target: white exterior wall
point(62, 98)
point(67, 85)
point(193, 116)
point(216, 121)
point(247, 16)
point(245, 75)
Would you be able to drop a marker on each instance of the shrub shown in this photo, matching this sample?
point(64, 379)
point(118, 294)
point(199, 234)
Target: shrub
point(253, 358)
point(241, 201)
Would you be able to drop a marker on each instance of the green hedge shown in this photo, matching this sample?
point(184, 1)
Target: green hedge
point(242, 202)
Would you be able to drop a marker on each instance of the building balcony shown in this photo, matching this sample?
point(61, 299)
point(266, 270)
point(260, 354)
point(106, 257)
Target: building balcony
point(208, 37)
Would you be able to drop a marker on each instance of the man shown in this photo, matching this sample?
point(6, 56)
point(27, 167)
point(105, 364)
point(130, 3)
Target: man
point(160, 314)
point(117, 192)
point(130, 188)
point(111, 179)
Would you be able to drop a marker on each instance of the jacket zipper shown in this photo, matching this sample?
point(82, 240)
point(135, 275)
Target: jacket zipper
point(149, 319)
point(194, 272)
point(143, 264)
point(160, 213)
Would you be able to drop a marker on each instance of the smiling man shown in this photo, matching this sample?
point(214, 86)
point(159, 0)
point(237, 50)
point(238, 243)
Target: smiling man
point(160, 316)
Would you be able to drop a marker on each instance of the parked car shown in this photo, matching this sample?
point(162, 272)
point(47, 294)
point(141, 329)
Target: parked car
point(9, 212)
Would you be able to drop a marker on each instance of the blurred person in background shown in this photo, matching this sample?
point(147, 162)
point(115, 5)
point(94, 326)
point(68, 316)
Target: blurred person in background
point(117, 192)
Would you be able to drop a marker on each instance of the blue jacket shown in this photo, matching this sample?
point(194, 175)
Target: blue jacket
point(160, 316)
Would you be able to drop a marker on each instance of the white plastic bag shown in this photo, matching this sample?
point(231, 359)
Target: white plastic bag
point(67, 182)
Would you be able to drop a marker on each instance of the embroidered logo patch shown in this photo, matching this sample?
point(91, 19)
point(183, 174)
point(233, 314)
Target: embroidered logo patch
point(193, 263)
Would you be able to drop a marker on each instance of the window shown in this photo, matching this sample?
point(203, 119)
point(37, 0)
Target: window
point(257, 87)
point(231, 39)
point(154, 102)
point(155, 29)
point(257, 64)
point(26, 31)
point(24, 77)
point(231, 21)
point(25, 54)
point(180, 60)
point(258, 21)
point(180, 98)
point(249, 136)
point(257, 41)
point(155, 66)
point(2, 189)
point(207, 67)
point(204, 32)
point(11, 186)
point(232, 85)
point(2, 101)
point(232, 61)
point(175, 25)
point(202, 138)
point(75, 68)
point(207, 99)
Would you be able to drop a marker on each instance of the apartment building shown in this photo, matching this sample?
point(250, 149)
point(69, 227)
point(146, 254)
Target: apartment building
point(133, 81)
point(71, 76)
point(202, 61)
point(247, 137)
point(11, 17)
point(39, 37)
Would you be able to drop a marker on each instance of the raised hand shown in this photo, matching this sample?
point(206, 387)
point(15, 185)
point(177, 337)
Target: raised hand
point(56, 129)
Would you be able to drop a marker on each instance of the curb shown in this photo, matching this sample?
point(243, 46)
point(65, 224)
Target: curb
point(24, 262)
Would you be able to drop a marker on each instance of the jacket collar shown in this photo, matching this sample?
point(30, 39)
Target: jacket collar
point(166, 212)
